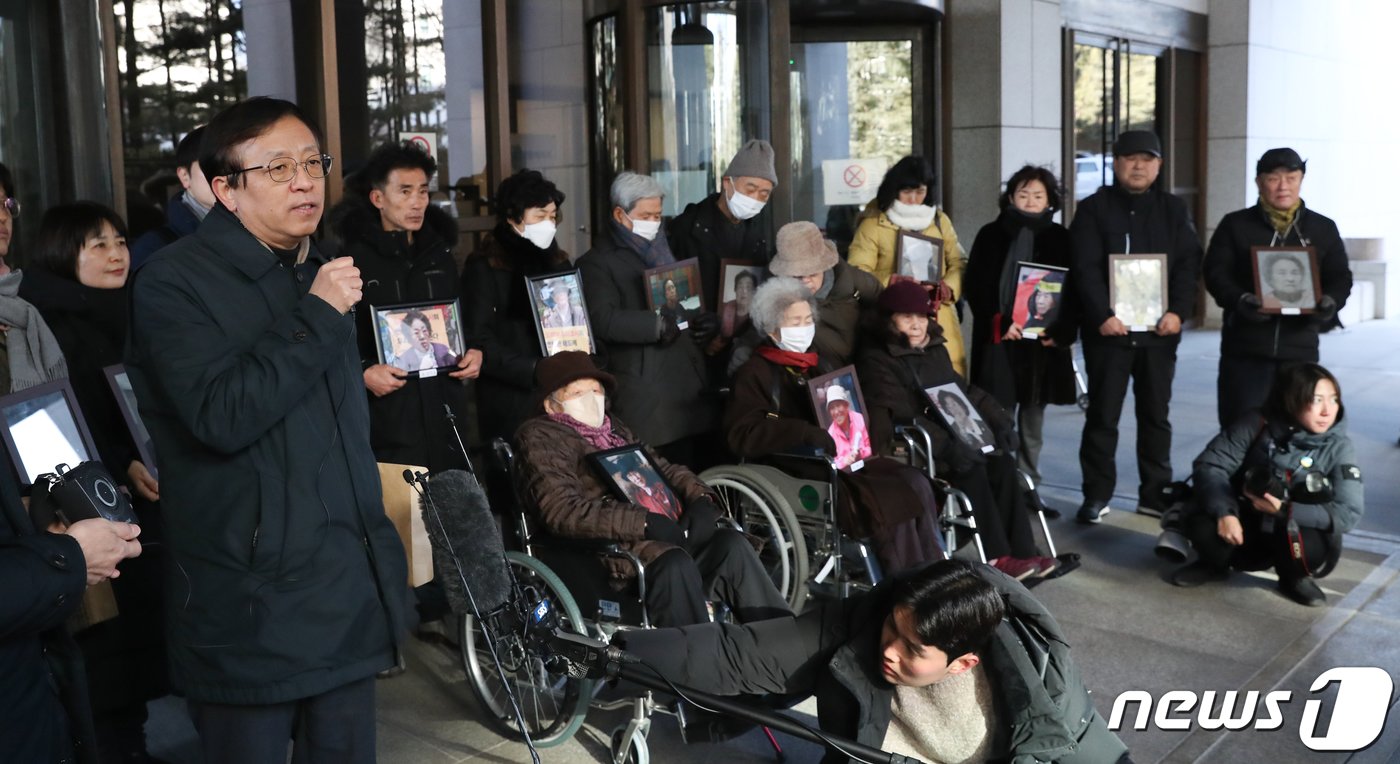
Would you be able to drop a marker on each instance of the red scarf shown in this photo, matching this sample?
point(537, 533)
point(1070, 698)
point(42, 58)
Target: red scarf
point(782, 357)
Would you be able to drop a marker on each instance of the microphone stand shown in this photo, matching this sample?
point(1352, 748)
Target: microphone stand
point(452, 425)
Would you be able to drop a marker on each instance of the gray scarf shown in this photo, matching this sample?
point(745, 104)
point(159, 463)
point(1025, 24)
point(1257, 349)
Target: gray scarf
point(35, 357)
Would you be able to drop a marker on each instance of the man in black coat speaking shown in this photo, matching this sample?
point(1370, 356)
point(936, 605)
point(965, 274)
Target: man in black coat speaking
point(290, 581)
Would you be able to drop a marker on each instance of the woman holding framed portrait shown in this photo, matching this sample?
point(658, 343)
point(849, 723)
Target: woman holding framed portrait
point(904, 204)
point(1025, 375)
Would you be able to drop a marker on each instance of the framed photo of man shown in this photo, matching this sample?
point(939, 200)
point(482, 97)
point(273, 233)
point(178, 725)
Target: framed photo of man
point(841, 411)
point(126, 401)
point(420, 338)
point(739, 279)
point(918, 257)
point(561, 315)
point(1286, 279)
point(634, 477)
point(43, 428)
point(674, 290)
point(1039, 294)
point(1137, 290)
point(961, 416)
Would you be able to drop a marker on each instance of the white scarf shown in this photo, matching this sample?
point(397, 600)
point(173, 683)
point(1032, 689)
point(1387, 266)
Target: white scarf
point(912, 217)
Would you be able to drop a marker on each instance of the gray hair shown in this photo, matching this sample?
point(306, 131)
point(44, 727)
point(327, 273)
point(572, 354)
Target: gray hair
point(773, 298)
point(630, 188)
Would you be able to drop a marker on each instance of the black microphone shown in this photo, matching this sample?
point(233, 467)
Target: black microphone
point(464, 529)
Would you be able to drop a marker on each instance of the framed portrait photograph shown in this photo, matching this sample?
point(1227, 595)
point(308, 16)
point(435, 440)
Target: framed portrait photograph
point(1286, 279)
point(841, 411)
point(634, 478)
point(1137, 290)
point(918, 257)
point(675, 290)
point(1039, 293)
point(126, 401)
point(421, 338)
point(961, 416)
point(43, 428)
point(738, 281)
point(561, 316)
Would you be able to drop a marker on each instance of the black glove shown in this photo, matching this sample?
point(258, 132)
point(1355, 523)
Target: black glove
point(1326, 310)
point(669, 330)
point(1007, 440)
point(1248, 308)
point(700, 521)
point(704, 325)
point(663, 528)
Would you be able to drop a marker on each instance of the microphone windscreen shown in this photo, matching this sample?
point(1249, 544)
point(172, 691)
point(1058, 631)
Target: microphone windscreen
point(471, 530)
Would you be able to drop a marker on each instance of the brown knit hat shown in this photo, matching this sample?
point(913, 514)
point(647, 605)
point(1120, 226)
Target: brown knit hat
point(754, 160)
point(560, 369)
point(802, 251)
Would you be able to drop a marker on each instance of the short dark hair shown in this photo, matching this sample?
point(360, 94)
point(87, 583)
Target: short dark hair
point(953, 608)
point(746, 274)
point(387, 157)
point(1292, 391)
point(523, 190)
point(944, 396)
point(406, 325)
point(240, 123)
point(187, 152)
point(7, 181)
point(1030, 300)
point(63, 231)
point(909, 172)
point(1027, 174)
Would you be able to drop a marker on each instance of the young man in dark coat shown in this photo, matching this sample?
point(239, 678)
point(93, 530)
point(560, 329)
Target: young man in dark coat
point(1253, 345)
point(402, 245)
point(182, 212)
point(951, 662)
point(1131, 216)
point(242, 354)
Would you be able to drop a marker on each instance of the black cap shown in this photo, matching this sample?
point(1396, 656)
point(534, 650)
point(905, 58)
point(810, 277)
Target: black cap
point(1137, 142)
point(1280, 159)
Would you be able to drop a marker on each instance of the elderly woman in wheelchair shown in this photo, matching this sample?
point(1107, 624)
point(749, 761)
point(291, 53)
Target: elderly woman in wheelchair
point(686, 557)
point(770, 418)
point(902, 359)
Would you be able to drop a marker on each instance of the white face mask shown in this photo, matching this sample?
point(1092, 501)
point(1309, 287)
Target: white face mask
point(743, 207)
point(540, 234)
point(647, 229)
point(587, 408)
point(796, 338)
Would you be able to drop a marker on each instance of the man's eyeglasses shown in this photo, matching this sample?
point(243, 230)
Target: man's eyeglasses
point(283, 169)
point(11, 206)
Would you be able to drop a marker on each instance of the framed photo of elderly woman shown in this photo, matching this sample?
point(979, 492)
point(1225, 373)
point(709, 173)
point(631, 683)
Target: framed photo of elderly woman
point(634, 478)
point(918, 257)
point(126, 401)
point(1036, 302)
point(1286, 279)
point(841, 411)
point(420, 338)
point(674, 289)
point(1137, 290)
point(561, 316)
point(43, 428)
point(961, 416)
point(739, 279)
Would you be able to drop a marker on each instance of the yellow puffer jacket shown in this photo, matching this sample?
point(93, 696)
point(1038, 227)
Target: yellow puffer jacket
point(872, 250)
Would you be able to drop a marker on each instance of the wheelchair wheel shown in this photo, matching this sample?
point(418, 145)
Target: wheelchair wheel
point(552, 705)
point(760, 508)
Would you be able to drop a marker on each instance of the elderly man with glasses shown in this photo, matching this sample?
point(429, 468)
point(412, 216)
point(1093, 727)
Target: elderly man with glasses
point(291, 583)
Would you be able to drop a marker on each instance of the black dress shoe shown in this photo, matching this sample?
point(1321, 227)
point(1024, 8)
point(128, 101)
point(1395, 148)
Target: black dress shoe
point(1091, 512)
point(1303, 591)
point(1198, 573)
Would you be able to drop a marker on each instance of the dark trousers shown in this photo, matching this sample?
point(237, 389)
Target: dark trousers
point(1262, 548)
point(1242, 385)
point(726, 569)
point(335, 727)
point(1151, 369)
point(1003, 520)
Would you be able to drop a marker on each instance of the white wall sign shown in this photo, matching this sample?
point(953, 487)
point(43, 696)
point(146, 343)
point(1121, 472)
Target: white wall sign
point(851, 181)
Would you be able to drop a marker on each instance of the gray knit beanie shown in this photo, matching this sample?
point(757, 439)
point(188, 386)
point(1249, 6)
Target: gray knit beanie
point(802, 251)
point(754, 160)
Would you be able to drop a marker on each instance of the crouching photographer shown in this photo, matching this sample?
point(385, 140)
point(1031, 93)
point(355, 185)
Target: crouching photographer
point(1278, 490)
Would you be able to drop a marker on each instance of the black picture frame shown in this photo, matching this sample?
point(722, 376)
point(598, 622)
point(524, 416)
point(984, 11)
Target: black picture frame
point(1310, 289)
point(615, 464)
point(690, 292)
point(66, 441)
point(984, 440)
point(558, 334)
point(444, 320)
point(907, 245)
point(120, 383)
point(1032, 281)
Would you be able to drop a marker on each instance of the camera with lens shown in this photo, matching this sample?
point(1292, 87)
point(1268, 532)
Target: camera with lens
point(84, 492)
point(1263, 481)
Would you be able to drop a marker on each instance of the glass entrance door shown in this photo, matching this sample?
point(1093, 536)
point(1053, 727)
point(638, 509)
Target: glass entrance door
point(1116, 89)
